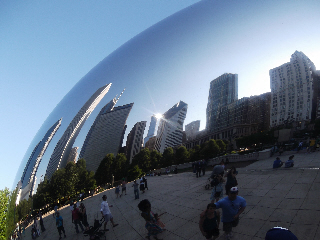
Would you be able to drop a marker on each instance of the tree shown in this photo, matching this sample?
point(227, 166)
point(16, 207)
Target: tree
point(134, 172)
point(86, 179)
point(143, 160)
point(155, 158)
point(210, 149)
point(221, 145)
point(12, 215)
point(59, 185)
point(104, 172)
point(194, 153)
point(42, 197)
point(4, 199)
point(167, 157)
point(182, 155)
point(120, 166)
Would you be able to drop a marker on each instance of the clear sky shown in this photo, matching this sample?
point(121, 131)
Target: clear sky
point(46, 47)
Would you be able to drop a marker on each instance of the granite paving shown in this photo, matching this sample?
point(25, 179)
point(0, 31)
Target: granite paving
point(275, 197)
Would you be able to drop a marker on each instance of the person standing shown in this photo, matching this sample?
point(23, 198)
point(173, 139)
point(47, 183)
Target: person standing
point(135, 186)
point(145, 183)
point(84, 218)
point(209, 222)
point(203, 167)
point(76, 217)
point(198, 168)
point(106, 213)
point(59, 224)
point(123, 187)
point(41, 222)
point(217, 191)
point(231, 179)
point(142, 188)
point(117, 190)
point(232, 206)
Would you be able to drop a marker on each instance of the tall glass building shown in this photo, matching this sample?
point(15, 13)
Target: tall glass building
point(223, 91)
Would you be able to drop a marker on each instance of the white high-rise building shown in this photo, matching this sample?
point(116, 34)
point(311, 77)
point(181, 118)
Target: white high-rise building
point(292, 90)
point(152, 129)
point(170, 130)
point(106, 136)
point(61, 152)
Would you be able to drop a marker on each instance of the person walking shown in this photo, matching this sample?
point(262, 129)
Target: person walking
point(142, 188)
point(84, 218)
point(198, 169)
point(41, 222)
point(217, 191)
point(231, 179)
point(106, 213)
point(59, 224)
point(232, 206)
point(117, 190)
point(123, 187)
point(145, 183)
point(209, 222)
point(153, 224)
point(135, 186)
point(76, 217)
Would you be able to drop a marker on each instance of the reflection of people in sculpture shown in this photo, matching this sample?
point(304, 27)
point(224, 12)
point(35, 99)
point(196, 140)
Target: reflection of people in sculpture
point(153, 223)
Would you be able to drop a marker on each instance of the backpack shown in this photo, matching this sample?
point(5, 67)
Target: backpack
point(215, 181)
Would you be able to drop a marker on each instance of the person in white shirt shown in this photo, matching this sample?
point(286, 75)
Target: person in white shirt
point(106, 213)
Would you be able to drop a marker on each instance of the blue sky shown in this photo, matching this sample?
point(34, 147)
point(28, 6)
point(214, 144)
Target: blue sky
point(47, 47)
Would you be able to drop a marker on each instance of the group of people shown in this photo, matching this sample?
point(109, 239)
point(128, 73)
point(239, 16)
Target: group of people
point(278, 163)
point(232, 205)
point(143, 186)
point(198, 167)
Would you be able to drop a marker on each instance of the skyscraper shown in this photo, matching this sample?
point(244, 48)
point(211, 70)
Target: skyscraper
point(61, 152)
point(292, 90)
point(171, 127)
point(28, 178)
point(223, 91)
point(106, 136)
point(192, 129)
point(152, 129)
point(135, 140)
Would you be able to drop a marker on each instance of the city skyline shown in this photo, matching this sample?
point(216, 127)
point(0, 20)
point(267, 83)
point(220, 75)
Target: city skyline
point(38, 69)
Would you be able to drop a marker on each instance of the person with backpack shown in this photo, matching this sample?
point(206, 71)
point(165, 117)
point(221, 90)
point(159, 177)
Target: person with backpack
point(209, 222)
point(217, 191)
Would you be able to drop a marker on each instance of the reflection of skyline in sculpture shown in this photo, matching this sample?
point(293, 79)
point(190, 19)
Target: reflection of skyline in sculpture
point(108, 107)
point(106, 136)
point(223, 91)
point(192, 130)
point(27, 181)
point(61, 152)
point(152, 128)
point(135, 140)
point(171, 127)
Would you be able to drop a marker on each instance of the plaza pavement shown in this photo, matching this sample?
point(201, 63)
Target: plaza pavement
point(281, 197)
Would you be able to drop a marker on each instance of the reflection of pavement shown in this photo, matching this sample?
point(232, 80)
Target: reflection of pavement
point(282, 197)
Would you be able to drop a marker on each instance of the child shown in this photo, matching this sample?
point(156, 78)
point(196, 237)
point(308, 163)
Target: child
point(209, 222)
point(117, 190)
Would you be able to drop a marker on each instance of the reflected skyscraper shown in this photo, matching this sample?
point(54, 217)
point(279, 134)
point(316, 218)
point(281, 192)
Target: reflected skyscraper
point(223, 91)
point(152, 129)
point(106, 136)
point(28, 178)
point(61, 152)
point(135, 140)
point(192, 129)
point(171, 127)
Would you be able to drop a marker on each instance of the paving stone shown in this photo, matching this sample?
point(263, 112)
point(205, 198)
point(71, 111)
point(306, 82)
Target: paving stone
point(303, 231)
point(307, 217)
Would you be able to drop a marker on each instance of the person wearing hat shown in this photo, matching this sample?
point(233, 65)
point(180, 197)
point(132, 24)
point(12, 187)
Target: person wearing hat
point(232, 206)
point(277, 163)
point(106, 213)
point(279, 233)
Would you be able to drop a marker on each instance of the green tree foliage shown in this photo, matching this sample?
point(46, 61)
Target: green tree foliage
point(43, 195)
point(210, 149)
point(221, 145)
point(12, 214)
point(182, 155)
point(257, 138)
point(24, 208)
point(120, 166)
point(155, 158)
point(168, 157)
point(194, 153)
point(134, 172)
point(142, 159)
point(85, 181)
point(104, 172)
point(4, 199)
